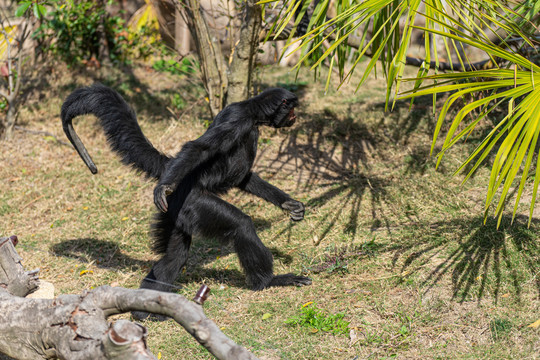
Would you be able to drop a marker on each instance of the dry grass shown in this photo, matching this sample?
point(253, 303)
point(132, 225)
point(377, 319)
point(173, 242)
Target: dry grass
point(398, 247)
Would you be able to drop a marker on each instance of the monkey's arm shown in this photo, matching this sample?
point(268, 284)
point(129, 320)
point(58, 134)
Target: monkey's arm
point(217, 139)
point(253, 184)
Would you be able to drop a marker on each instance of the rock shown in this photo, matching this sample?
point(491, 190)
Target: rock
point(45, 291)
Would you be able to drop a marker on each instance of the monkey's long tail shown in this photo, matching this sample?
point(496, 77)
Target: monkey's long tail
point(120, 125)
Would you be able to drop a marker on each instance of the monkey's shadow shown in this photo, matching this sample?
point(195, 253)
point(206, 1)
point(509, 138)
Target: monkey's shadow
point(108, 255)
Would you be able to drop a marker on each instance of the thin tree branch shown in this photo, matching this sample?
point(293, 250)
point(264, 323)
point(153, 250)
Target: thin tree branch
point(186, 313)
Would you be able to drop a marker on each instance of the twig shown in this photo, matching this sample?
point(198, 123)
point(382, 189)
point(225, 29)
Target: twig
point(30, 203)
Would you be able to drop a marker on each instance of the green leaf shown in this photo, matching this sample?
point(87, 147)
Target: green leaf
point(41, 11)
point(22, 8)
point(35, 8)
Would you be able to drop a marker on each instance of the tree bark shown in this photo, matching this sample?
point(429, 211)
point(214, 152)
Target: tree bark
point(104, 55)
point(243, 58)
point(74, 327)
point(181, 34)
point(11, 117)
point(14, 83)
point(13, 278)
point(213, 68)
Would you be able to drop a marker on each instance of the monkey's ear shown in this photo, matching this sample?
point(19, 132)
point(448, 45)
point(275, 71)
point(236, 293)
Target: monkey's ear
point(284, 101)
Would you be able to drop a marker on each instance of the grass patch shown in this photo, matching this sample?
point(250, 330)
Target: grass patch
point(4, 208)
point(318, 320)
point(500, 328)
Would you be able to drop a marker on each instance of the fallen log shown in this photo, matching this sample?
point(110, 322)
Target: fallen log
point(75, 327)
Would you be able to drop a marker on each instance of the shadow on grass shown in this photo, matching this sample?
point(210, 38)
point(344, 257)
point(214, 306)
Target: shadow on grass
point(408, 121)
point(343, 157)
point(478, 258)
point(105, 254)
point(108, 255)
point(336, 153)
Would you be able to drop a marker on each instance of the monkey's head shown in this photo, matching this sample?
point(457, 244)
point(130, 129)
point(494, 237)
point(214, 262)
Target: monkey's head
point(277, 106)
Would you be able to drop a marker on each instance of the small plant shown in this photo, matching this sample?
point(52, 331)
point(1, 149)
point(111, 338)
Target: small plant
point(77, 32)
point(499, 328)
point(316, 319)
point(37, 7)
point(185, 66)
point(178, 102)
point(3, 104)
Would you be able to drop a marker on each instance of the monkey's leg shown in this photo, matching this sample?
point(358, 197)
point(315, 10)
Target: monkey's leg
point(166, 270)
point(216, 217)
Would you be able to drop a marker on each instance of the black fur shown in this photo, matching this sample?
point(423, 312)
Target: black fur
point(190, 184)
point(120, 125)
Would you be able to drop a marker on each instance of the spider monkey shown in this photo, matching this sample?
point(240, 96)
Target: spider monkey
point(190, 184)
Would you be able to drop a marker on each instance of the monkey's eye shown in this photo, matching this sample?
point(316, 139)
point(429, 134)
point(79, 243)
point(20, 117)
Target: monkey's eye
point(284, 101)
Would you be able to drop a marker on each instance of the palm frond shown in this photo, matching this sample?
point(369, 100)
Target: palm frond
point(382, 30)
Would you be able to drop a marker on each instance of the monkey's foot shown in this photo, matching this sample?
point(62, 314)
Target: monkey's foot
point(289, 280)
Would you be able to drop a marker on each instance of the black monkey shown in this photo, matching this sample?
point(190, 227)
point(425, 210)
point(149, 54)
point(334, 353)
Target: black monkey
point(190, 184)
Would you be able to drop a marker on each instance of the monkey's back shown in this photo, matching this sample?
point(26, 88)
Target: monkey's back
point(227, 170)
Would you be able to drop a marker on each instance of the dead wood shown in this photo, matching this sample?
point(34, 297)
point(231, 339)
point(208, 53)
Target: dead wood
point(75, 326)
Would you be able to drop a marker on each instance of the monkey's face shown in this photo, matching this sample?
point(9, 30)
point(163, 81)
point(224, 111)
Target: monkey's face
point(290, 116)
point(284, 115)
point(278, 105)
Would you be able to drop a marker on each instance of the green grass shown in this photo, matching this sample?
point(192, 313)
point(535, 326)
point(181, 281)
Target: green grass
point(397, 247)
point(500, 328)
point(317, 320)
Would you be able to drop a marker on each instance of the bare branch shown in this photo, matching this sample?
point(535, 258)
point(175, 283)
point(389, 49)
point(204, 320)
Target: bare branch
point(15, 91)
point(186, 313)
point(75, 326)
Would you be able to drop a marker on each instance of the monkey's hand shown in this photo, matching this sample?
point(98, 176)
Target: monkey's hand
point(160, 196)
point(296, 208)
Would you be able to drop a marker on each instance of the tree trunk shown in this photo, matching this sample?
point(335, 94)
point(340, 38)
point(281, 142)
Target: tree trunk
point(243, 61)
point(181, 34)
point(213, 68)
point(11, 117)
point(104, 55)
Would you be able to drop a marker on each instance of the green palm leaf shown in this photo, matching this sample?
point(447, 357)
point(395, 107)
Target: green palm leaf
point(459, 23)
